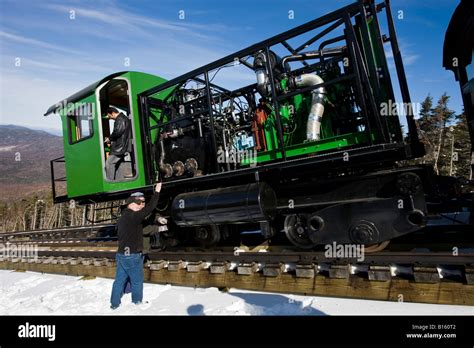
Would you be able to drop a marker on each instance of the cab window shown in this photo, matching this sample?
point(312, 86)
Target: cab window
point(79, 123)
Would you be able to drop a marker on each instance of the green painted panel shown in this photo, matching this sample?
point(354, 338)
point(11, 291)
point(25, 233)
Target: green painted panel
point(84, 168)
point(82, 158)
point(139, 82)
point(338, 142)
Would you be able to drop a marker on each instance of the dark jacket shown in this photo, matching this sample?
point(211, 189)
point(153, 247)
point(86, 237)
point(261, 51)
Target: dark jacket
point(130, 228)
point(120, 137)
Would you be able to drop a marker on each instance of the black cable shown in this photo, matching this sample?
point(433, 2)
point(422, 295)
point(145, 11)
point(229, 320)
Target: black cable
point(224, 66)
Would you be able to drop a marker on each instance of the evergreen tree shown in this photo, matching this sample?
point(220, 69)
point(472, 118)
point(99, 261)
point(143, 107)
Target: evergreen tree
point(445, 136)
point(442, 115)
point(427, 126)
point(459, 149)
point(426, 114)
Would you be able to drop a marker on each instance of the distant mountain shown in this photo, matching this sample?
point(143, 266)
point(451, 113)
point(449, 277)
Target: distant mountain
point(53, 131)
point(24, 160)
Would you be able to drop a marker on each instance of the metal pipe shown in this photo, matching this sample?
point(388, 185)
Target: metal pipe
point(262, 81)
point(276, 104)
point(211, 121)
point(199, 127)
point(320, 35)
point(328, 52)
point(147, 146)
point(292, 51)
point(342, 79)
point(331, 41)
point(313, 127)
point(226, 149)
point(165, 168)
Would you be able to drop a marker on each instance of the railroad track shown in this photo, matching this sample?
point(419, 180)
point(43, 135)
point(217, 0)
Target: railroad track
point(398, 273)
point(434, 238)
point(64, 233)
point(427, 277)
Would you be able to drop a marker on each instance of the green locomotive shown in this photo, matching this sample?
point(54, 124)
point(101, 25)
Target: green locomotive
point(309, 148)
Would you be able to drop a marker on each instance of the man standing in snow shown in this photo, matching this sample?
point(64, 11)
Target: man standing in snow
point(129, 254)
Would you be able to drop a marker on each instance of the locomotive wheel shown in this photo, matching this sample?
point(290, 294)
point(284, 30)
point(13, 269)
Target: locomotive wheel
point(296, 230)
point(207, 236)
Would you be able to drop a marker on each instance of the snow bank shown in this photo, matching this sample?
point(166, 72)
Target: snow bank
point(29, 293)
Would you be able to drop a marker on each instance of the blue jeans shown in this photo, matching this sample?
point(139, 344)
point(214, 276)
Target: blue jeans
point(128, 267)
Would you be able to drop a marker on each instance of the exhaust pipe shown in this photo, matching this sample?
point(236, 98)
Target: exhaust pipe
point(313, 127)
point(262, 81)
point(165, 168)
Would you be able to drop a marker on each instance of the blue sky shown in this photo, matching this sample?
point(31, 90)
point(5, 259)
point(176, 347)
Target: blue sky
point(58, 55)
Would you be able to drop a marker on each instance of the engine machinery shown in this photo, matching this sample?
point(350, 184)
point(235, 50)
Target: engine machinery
point(310, 146)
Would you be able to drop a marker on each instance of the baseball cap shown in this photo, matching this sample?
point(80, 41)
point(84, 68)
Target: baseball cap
point(135, 198)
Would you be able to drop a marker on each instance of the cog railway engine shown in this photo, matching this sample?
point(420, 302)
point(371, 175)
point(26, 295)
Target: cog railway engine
point(295, 134)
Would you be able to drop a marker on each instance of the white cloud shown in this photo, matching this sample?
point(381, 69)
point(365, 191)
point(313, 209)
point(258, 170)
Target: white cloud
point(25, 99)
point(30, 41)
point(409, 59)
point(115, 17)
point(46, 77)
point(51, 72)
point(408, 56)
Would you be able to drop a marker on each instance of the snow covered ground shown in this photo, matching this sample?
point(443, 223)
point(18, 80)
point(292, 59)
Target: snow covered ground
point(29, 293)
